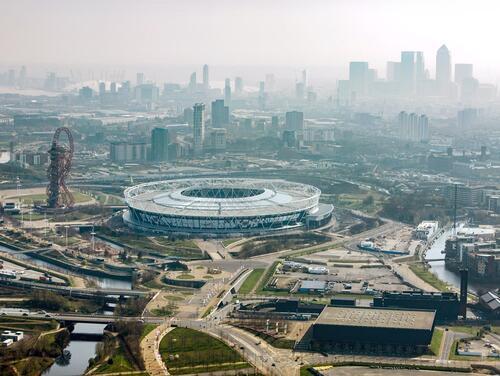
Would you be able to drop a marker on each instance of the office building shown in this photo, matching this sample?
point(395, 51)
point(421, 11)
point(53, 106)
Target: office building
point(188, 116)
point(262, 88)
point(198, 128)
point(217, 139)
point(275, 122)
point(466, 196)
point(112, 88)
point(299, 90)
point(238, 85)
point(469, 89)
point(294, 120)
point(220, 114)
point(147, 93)
point(443, 70)
point(227, 91)
point(419, 66)
point(467, 118)
point(206, 82)
point(289, 138)
point(323, 134)
point(128, 151)
point(85, 93)
point(102, 89)
point(463, 71)
point(413, 127)
point(139, 78)
point(192, 82)
point(160, 141)
point(22, 77)
point(358, 78)
point(393, 70)
point(408, 72)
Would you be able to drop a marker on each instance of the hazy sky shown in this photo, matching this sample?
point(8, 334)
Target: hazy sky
point(248, 32)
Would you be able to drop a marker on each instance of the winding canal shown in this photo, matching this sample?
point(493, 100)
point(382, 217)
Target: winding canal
point(77, 353)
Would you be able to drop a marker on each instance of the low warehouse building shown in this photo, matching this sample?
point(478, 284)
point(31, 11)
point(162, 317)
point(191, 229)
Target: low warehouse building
point(373, 329)
point(311, 287)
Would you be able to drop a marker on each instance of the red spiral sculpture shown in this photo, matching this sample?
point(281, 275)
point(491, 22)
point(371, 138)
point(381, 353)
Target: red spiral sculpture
point(58, 194)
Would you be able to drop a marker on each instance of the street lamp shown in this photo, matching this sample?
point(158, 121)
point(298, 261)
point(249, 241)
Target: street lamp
point(93, 239)
point(66, 228)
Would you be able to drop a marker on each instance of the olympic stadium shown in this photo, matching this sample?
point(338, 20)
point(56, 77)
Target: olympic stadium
point(224, 206)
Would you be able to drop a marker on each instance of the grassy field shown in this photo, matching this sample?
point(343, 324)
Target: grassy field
point(26, 324)
point(184, 249)
point(265, 279)
point(251, 281)
point(427, 276)
point(116, 363)
point(147, 328)
point(472, 330)
point(185, 276)
point(437, 337)
point(197, 352)
point(186, 243)
point(42, 197)
point(360, 201)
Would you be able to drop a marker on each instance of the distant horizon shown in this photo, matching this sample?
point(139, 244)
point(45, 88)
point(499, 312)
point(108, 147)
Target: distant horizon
point(258, 33)
point(179, 73)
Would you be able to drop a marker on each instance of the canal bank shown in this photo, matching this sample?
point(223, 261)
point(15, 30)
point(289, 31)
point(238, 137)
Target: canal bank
point(102, 282)
point(438, 268)
point(77, 354)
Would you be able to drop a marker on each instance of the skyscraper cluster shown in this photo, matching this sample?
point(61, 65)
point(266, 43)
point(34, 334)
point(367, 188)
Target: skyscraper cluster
point(409, 78)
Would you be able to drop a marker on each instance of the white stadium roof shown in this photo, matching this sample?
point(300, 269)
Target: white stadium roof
point(222, 197)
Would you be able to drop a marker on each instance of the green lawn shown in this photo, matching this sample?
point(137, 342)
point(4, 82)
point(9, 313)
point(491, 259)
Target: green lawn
point(146, 329)
point(26, 324)
point(265, 279)
point(117, 363)
point(197, 352)
point(186, 243)
point(251, 281)
point(184, 249)
point(42, 197)
point(360, 201)
point(185, 276)
point(467, 329)
point(437, 337)
point(427, 276)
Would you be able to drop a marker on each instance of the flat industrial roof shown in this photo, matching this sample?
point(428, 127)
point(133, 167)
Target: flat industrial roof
point(377, 317)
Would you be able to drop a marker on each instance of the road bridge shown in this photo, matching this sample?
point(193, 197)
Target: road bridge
point(74, 291)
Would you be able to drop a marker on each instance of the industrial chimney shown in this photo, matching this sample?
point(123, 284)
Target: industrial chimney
point(464, 277)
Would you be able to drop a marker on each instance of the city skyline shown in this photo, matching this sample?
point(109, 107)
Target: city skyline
point(226, 34)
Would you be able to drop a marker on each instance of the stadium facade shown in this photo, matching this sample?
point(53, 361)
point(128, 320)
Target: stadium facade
point(224, 206)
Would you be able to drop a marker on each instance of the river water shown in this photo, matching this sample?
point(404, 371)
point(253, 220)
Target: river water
point(439, 269)
point(81, 352)
point(105, 283)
